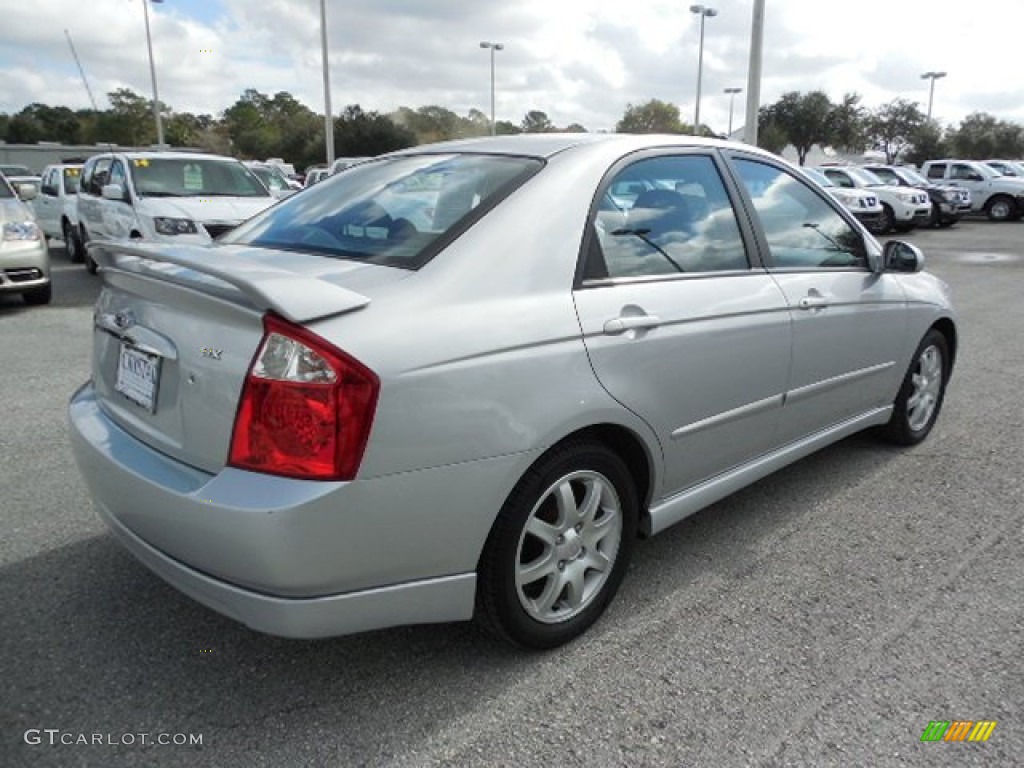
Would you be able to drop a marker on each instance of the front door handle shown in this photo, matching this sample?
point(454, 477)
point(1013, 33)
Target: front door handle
point(631, 323)
point(812, 302)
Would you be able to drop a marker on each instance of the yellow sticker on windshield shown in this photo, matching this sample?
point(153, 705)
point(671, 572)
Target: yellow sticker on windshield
point(71, 171)
point(141, 162)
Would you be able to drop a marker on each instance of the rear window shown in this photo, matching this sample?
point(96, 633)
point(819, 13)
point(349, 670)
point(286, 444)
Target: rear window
point(395, 212)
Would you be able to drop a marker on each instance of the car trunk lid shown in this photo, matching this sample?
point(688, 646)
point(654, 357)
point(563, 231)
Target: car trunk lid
point(177, 327)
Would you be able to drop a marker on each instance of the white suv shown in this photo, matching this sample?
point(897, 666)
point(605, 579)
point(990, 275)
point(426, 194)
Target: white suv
point(168, 196)
point(56, 206)
point(903, 208)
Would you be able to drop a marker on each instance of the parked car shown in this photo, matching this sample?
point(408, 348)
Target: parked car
point(1006, 167)
point(341, 163)
point(21, 179)
point(999, 197)
point(902, 208)
point(313, 175)
point(861, 203)
point(24, 257)
point(949, 204)
point(334, 420)
point(273, 179)
point(167, 196)
point(56, 207)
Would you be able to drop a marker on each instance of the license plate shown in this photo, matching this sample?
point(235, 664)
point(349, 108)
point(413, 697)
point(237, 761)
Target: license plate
point(138, 376)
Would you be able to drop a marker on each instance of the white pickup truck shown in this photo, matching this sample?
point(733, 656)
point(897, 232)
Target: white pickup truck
point(999, 197)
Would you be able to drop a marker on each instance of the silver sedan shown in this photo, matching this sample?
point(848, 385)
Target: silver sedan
point(462, 380)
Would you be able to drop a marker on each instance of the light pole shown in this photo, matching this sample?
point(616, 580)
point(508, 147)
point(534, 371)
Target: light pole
point(705, 13)
point(732, 97)
point(152, 74)
point(753, 113)
point(933, 76)
point(493, 47)
point(328, 117)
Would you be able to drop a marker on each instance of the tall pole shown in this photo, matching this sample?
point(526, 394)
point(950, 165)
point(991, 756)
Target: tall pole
point(152, 74)
point(732, 97)
point(704, 13)
point(493, 47)
point(933, 76)
point(754, 73)
point(328, 113)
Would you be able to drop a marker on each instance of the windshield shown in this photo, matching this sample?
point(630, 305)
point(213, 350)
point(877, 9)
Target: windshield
point(71, 178)
point(192, 177)
point(271, 177)
point(14, 170)
point(865, 177)
point(914, 178)
point(396, 212)
point(818, 177)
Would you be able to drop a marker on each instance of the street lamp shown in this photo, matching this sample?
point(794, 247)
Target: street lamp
point(705, 13)
point(493, 47)
point(328, 116)
point(933, 76)
point(152, 74)
point(732, 97)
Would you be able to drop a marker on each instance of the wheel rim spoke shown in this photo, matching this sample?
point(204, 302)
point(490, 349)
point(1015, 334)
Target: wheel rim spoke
point(927, 385)
point(567, 548)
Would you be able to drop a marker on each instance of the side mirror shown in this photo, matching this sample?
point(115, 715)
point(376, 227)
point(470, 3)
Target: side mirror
point(26, 191)
point(898, 256)
point(113, 192)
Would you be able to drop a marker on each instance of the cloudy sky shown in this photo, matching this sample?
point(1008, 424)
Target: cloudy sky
point(578, 60)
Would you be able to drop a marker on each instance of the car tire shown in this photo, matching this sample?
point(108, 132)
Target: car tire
point(935, 219)
point(90, 265)
point(37, 296)
point(71, 246)
point(1001, 208)
point(559, 547)
point(887, 220)
point(920, 397)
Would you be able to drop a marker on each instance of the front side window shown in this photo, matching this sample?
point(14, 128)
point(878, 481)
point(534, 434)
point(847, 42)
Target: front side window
point(6, 192)
point(664, 216)
point(396, 212)
point(100, 174)
point(802, 230)
point(936, 171)
point(840, 179)
point(193, 177)
point(117, 173)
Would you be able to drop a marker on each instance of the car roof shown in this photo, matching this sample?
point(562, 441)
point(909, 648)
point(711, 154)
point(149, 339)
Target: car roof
point(545, 145)
point(157, 155)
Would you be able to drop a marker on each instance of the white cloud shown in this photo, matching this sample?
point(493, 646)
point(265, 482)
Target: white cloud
point(578, 60)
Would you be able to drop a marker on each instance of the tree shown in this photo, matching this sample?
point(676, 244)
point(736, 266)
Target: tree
point(358, 133)
point(575, 128)
point(653, 116)
point(536, 121)
point(770, 135)
point(804, 118)
point(926, 143)
point(506, 128)
point(847, 124)
point(982, 136)
point(893, 126)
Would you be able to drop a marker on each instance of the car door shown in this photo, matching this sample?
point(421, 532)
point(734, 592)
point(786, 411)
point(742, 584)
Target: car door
point(849, 322)
point(47, 204)
point(90, 200)
point(118, 215)
point(681, 325)
point(964, 176)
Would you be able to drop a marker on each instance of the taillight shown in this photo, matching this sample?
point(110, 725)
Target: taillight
point(306, 407)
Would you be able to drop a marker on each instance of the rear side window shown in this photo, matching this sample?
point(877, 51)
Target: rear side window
point(664, 216)
point(802, 230)
point(396, 212)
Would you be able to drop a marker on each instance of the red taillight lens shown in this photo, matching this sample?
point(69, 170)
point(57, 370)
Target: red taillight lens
point(306, 407)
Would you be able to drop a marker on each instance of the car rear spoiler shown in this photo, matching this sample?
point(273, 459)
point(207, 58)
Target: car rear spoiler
point(296, 297)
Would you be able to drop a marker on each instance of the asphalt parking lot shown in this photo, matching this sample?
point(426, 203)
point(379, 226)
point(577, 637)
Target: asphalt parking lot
point(821, 617)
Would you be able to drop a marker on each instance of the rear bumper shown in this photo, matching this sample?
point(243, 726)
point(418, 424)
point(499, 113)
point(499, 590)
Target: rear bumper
point(291, 557)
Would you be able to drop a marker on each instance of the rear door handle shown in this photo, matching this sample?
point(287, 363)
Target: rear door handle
point(631, 323)
point(813, 302)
